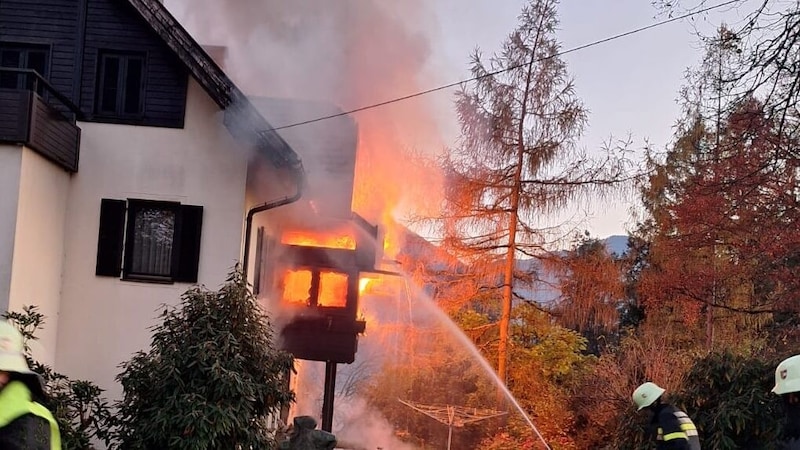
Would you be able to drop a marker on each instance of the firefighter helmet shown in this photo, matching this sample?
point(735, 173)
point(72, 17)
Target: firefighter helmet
point(646, 394)
point(787, 376)
point(12, 358)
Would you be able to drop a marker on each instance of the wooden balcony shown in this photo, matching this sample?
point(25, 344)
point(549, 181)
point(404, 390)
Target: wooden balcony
point(45, 123)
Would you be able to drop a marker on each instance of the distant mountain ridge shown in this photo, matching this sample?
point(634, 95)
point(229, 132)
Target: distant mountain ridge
point(418, 251)
point(616, 244)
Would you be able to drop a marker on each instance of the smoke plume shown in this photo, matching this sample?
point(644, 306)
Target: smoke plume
point(350, 53)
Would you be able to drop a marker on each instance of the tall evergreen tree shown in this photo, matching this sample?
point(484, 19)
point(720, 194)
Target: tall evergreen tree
point(518, 160)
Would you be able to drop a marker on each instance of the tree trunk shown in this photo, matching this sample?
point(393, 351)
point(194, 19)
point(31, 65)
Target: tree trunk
point(513, 222)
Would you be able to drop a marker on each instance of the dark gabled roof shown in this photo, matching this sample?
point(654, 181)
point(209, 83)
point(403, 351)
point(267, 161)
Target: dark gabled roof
point(241, 117)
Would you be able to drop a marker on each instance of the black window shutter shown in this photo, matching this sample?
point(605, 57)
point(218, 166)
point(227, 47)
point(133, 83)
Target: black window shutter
point(187, 248)
point(110, 237)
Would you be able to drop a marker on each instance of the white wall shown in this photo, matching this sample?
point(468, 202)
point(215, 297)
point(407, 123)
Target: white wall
point(39, 246)
point(10, 165)
point(105, 320)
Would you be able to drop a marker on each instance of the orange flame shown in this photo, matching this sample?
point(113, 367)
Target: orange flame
point(296, 286)
point(392, 183)
point(332, 289)
point(363, 283)
point(332, 292)
point(326, 240)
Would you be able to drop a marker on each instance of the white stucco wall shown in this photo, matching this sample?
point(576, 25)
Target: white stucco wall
point(105, 320)
point(10, 166)
point(39, 246)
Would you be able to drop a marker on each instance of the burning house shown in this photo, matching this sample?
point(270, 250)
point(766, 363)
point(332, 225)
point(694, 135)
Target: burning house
point(310, 256)
point(134, 167)
point(129, 163)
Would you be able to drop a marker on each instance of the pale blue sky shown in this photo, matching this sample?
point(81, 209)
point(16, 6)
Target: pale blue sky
point(630, 85)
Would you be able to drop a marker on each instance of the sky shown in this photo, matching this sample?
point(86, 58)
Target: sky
point(360, 52)
point(629, 85)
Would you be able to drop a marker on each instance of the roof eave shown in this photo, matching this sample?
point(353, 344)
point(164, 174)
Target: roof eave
point(241, 117)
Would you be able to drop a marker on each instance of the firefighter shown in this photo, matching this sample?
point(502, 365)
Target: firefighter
point(787, 385)
point(673, 429)
point(25, 424)
point(305, 436)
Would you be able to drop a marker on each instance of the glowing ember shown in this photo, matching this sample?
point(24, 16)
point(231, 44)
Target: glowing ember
point(332, 289)
point(297, 288)
point(334, 239)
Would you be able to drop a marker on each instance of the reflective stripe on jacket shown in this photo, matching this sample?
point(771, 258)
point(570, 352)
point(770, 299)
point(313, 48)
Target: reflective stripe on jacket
point(675, 430)
point(16, 402)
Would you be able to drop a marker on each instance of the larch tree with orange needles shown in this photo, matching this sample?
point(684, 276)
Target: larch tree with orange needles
point(517, 160)
point(592, 292)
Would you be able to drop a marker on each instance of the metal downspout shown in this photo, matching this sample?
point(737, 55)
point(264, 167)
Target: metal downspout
point(300, 180)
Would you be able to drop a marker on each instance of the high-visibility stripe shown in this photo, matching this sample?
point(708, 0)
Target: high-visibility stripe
point(687, 426)
point(39, 410)
point(16, 400)
point(675, 435)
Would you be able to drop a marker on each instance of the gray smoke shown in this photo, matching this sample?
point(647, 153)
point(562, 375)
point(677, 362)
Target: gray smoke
point(347, 53)
point(301, 59)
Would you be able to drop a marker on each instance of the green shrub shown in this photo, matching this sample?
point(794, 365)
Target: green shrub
point(728, 397)
point(211, 377)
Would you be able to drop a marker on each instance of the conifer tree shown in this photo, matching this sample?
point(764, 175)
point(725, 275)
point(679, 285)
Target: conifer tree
point(518, 161)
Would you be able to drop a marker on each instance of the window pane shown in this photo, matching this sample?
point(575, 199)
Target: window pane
point(9, 59)
point(153, 234)
point(37, 60)
point(133, 86)
point(108, 84)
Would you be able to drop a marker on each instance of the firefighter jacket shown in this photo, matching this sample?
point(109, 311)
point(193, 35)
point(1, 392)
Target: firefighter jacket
point(790, 444)
point(791, 429)
point(25, 424)
point(673, 429)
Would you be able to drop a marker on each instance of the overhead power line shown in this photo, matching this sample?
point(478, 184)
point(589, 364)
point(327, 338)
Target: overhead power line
point(497, 72)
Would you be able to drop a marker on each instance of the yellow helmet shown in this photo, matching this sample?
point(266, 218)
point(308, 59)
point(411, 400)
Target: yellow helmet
point(12, 356)
point(646, 394)
point(787, 376)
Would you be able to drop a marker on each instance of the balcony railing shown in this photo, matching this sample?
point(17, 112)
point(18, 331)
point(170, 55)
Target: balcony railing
point(33, 113)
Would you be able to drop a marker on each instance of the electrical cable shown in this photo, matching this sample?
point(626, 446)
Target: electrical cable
point(507, 69)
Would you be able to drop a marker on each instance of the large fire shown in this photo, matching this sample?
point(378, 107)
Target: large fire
point(336, 238)
point(298, 287)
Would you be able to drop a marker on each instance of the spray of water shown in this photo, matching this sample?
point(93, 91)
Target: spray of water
point(466, 342)
point(354, 419)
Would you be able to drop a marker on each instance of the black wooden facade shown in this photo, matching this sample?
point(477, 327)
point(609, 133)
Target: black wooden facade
point(77, 33)
point(94, 60)
point(119, 61)
point(27, 119)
